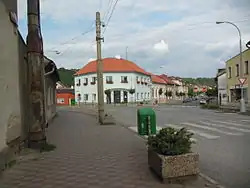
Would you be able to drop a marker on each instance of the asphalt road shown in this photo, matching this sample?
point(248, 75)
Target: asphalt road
point(222, 139)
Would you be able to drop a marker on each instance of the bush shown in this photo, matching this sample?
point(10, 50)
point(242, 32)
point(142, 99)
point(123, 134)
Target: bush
point(210, 106)
point(170, 141)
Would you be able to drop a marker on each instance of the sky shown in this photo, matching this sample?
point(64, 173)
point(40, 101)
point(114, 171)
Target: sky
point(174, 37)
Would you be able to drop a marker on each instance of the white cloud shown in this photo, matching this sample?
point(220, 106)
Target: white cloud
point(161, 46)
point(197, 44)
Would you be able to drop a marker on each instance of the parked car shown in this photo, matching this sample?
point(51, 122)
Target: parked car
point(187, 100)
point(203, 101)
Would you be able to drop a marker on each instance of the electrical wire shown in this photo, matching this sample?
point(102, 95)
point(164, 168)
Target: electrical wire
point(112, 11)
point(108, 10)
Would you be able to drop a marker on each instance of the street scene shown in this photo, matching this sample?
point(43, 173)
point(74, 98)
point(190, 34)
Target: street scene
point(124, 94)
point(220, 139)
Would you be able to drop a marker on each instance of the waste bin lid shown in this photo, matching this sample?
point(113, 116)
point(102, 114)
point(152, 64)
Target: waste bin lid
point(146, 111)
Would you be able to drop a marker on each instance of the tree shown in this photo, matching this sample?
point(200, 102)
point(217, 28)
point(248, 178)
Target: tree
point(177, 93)
point(107, 91)
point(190, 92)
point(212, 92)
point(168, 93)
point(160, 91)
point(131, 91)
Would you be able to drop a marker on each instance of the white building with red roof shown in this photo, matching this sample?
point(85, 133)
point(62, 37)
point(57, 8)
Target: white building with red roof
point(123, 80)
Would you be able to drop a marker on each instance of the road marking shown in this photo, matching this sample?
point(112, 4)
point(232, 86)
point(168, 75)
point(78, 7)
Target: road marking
point(226, 127)
point(230, 123)
point(244, 120)
point(211, 129)
point(202, 134)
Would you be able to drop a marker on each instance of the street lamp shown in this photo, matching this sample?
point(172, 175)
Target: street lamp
point(242, 101)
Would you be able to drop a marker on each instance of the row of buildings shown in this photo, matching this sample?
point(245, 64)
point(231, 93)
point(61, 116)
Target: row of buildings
point(125, 82)
point(229, 80)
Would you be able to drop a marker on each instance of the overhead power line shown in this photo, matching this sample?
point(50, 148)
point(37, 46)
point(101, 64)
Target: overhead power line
point(112, 11)
point(108, 10)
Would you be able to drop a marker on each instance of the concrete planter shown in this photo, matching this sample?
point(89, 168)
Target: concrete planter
point(170, 168)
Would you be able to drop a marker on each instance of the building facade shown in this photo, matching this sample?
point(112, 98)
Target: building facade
point(65, 96)
point(123, 82)
point(222, 87)
point(233, 76)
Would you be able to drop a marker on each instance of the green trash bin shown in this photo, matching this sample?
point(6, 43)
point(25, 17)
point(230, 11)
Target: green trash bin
point(146, 121)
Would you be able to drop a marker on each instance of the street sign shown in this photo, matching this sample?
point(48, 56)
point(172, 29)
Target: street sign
point(242, 80)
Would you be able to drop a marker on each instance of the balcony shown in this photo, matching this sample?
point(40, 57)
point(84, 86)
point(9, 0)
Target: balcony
point(138, 81)
point(85, 84)
point(124, 81)
point(78, 84)
point(109, 82)
point(93, 83)
point(142, 82)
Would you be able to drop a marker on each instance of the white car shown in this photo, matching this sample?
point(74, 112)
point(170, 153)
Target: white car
point(203, 101)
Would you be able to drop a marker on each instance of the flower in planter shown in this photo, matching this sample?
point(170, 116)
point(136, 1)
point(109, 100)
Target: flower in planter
point(170, 141)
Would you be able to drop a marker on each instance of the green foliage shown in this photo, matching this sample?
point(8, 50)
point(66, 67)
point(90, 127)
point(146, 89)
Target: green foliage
point(160, 91)
point(210, 106)
point(66, 76)
point(212, 92)
point(131, 91)
point(200, 81)
point(107, 91)
point(171, 141)
point(169, 93)
point(191, 92)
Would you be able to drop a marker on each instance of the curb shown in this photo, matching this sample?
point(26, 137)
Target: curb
point(205, 177)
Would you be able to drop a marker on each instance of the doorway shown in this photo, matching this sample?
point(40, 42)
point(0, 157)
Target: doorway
point(117, 96)
point(125, 96)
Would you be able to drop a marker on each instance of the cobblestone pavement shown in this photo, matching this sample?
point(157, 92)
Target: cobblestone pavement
point(88, 155)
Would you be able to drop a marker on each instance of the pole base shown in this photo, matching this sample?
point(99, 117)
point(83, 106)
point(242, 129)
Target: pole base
point(242, 105)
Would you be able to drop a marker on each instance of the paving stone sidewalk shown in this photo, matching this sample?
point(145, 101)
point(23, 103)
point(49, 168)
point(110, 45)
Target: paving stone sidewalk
point(89, 156)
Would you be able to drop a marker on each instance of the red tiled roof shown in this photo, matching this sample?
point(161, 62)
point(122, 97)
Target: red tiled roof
point(112, 65)
point(167, 79)
point(157, 79)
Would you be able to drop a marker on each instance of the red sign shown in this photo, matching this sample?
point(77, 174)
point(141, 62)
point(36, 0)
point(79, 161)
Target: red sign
point(242, 80)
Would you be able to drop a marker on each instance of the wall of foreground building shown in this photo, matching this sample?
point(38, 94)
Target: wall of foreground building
point(11, 114)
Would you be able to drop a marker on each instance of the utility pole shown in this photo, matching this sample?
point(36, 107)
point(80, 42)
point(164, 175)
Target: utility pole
point(36, 76)
point(99, 70)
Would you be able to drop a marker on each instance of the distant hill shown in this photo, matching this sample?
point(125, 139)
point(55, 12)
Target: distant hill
point(200, 81)
point(66, 76)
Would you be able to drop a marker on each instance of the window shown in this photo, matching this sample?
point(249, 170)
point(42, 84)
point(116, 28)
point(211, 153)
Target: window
point(109, 80)
point(137, 96)
point(237, 70)
point(246, 67)
point(142, 80)
point(78, 82)
point(141, 95)
point(229, 72)
point(148, 95)
point(85, 81)
point(137, 80)
point(86, 97)
point(94, 97)
point(124, 79)
point(93, 81)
